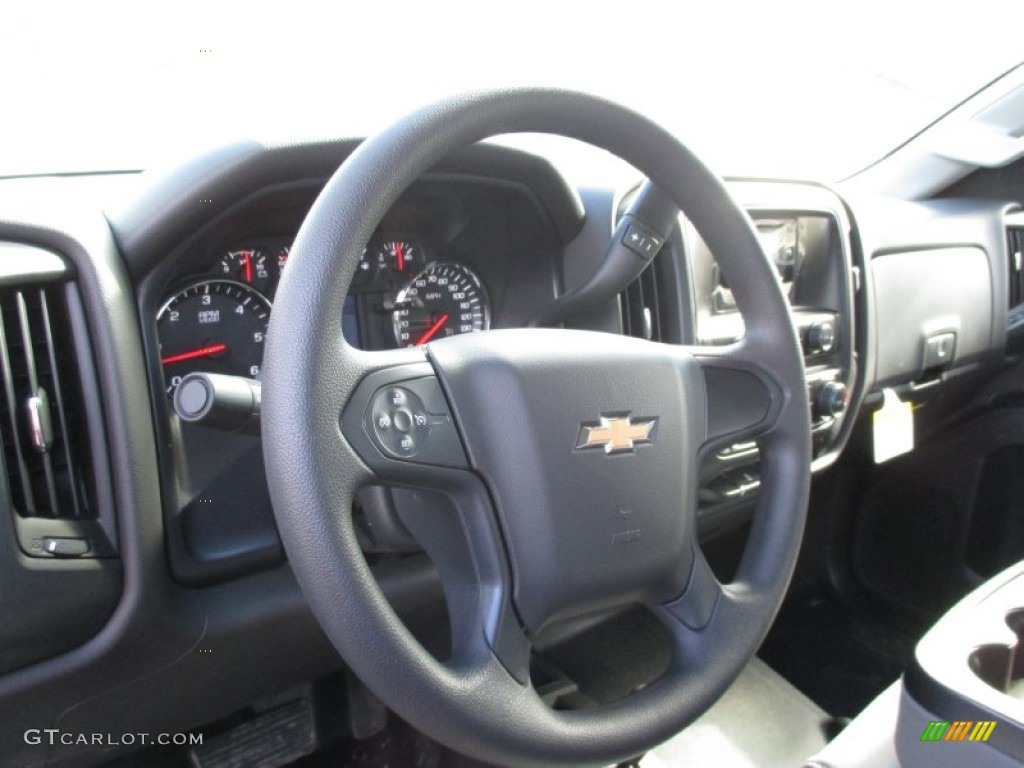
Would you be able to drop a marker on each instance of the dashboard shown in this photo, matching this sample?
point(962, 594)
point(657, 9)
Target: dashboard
point(463, 255)
point(174, 533)
point(459, 255)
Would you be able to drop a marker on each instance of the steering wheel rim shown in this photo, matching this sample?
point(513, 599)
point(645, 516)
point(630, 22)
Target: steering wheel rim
point(320, 449)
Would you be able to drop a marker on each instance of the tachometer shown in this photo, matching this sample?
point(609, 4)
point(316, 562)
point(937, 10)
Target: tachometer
point(443, 300)
point(215, 326)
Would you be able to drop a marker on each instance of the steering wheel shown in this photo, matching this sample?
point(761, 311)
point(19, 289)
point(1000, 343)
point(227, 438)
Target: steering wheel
point(570, 458)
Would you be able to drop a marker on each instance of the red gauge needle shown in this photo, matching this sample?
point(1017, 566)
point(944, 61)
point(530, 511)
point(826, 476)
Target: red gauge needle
point(248, 266)
point(213, 349)
point(429, 333)
point(400, 253)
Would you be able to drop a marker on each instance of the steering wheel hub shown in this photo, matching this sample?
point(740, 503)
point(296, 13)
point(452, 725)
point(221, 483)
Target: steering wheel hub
point(585, 529)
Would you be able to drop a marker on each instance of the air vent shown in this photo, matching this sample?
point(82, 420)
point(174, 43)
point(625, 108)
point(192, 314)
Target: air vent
point(1015, 252)
point(640, 315)
point(41, 410)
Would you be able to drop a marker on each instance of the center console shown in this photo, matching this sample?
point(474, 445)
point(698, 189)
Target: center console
point(960, 702)
point(805, 232)
point(965, 687)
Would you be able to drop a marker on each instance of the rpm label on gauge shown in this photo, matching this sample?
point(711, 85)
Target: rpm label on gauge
point(444, 299)
point(214, 326)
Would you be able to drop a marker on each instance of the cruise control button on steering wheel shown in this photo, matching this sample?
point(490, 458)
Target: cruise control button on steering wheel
point(405, 416)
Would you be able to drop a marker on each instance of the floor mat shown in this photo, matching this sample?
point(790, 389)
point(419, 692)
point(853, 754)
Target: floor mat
point(616, 657)
point(839, 659)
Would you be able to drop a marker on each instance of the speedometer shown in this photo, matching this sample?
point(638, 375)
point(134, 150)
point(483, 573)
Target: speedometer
point(444, 299)
point(215, 326)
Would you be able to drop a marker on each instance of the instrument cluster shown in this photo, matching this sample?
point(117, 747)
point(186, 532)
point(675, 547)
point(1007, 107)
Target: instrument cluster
point(401, 295)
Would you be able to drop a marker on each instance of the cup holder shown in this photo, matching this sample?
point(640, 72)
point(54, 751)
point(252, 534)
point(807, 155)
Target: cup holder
point(1002, 666)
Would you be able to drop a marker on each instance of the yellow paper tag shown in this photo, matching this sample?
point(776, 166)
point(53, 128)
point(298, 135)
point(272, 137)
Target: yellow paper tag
point(893, 426)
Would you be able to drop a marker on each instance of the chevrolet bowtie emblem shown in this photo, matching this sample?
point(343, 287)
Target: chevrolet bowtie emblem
point(616, 434)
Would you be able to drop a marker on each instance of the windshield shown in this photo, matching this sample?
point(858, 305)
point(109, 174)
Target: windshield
point(790, 89)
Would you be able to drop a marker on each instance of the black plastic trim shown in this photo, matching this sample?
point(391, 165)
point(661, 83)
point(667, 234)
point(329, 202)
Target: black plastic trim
point(53, 604)
point(143, 669)
point(151, 226)
point(293, 188)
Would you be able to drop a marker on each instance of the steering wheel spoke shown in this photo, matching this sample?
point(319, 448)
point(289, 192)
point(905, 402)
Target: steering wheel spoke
point(462, 539)
point(695, 607)
point(399, 423)
point(744, 400)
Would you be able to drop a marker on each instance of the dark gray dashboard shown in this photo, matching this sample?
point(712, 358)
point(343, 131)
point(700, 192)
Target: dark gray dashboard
point(933, 270)
point(195, 563)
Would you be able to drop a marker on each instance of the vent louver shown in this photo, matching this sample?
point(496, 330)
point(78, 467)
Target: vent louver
point(1015, 251)
point(40, 406)
point(640, 314)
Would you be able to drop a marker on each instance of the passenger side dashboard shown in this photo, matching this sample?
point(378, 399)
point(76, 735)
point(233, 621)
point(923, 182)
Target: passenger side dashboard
point(937, 273)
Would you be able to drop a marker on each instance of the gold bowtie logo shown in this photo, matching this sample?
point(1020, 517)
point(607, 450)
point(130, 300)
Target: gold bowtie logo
point(616, 434)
